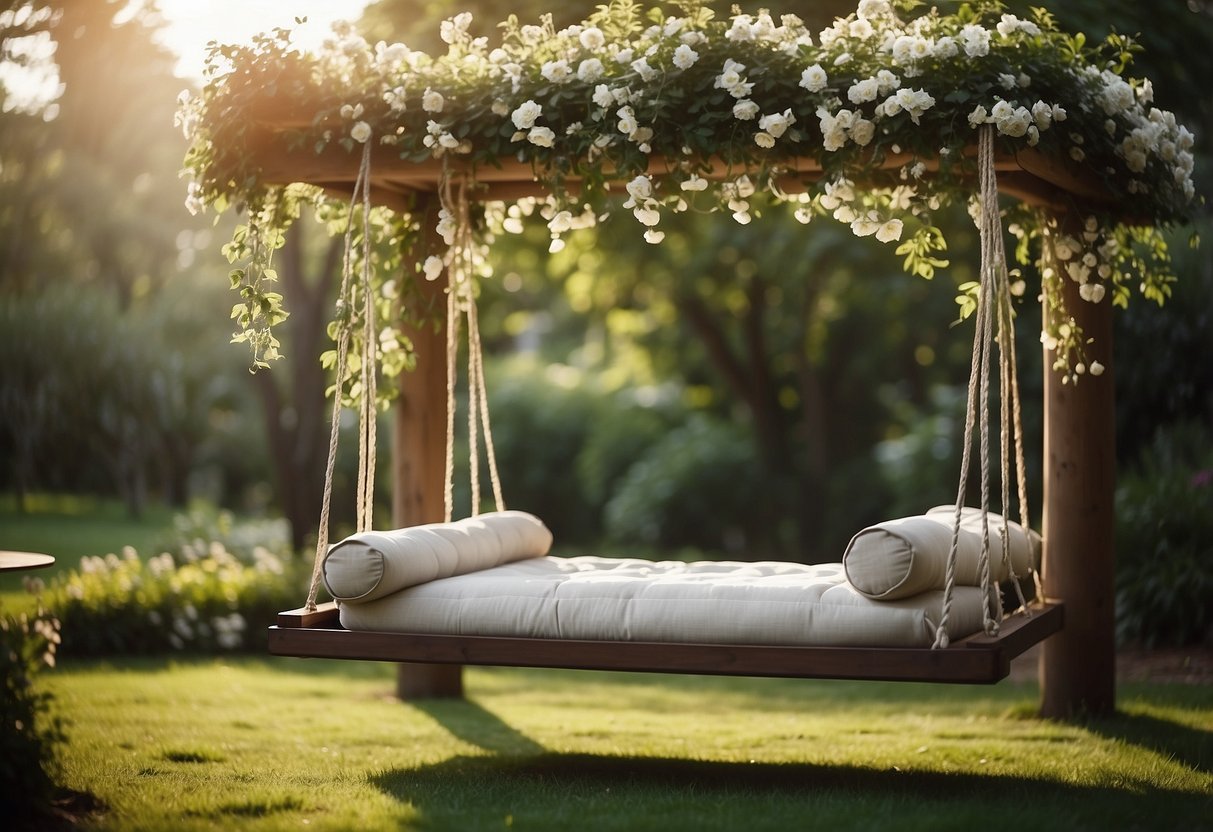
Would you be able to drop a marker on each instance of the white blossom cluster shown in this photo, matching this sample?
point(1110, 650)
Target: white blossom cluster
point(755, 97)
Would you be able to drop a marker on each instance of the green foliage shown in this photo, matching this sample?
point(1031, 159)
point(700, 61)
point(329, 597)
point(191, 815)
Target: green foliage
point(114, 400)
point(204, 599)
point(561, 445)
point(29, 735)
point(1164, 530)
point(699, 485)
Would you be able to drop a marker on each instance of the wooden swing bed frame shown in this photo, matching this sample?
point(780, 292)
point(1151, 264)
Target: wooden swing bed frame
point(1078, 442)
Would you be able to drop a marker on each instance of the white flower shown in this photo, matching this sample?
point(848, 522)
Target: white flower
point(524, 117)
point(745, 110)
point(454, 29)
point(646, 215)
point(396, 99)
point(860, 29)
point(639, 189)
point(432, 101)
point(627, 121)
point(685, 57)
point(869, 9)
point(1092, 292)
point(914, 102)
point(603, 96)
point(590, 70)
point(694, 182)
point(194, 202)
point(654, 236)
point(1006, 80)
point(887, 81)
point(1096, 368)
point(979, 116)
point(742, 28)
point(1042, 114)
point(561, 222)
point(592, 38)
point(557, 72)
point(1011, 24)
point(864, 91)
point(777, 123)
point(865, 226)
point(976, 40)
point(730, 76)
point(814, 78)
point(433, 267)
point(1116, 96)
point(889, 231)
point(644, 70)
point(500, 108)
point(446, 226)
point(862, 131)
point(541, 136)
point(804, 215)
point(624, 56)
point(764, 140)
point(945, 47)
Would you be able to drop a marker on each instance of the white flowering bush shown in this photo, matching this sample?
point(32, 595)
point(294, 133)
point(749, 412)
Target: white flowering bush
point(202, 600)
point(868, 121)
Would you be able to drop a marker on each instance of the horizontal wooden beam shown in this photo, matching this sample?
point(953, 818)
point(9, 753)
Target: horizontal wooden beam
point(1027, 175)
point(977, 660)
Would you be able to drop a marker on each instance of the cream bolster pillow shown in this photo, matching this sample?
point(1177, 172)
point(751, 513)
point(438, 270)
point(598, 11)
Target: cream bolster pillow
point(370, 565)
point(900, 558)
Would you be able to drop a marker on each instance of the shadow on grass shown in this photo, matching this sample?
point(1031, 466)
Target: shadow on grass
point(479, 727)
point(1191, 746)
point(620, 792)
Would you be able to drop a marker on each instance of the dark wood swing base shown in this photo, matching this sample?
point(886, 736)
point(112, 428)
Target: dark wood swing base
point(978, 659)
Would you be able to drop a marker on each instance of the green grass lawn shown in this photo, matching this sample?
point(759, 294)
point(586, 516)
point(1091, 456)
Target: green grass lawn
point(293, 744)
point(71, 527)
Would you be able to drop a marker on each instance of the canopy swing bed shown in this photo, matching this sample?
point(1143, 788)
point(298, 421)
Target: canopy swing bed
point(876, 121)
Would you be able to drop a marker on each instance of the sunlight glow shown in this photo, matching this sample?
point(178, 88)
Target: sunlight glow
point(191, 24)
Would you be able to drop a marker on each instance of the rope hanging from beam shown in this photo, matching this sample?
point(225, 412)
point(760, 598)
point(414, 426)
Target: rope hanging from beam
point(994, 323)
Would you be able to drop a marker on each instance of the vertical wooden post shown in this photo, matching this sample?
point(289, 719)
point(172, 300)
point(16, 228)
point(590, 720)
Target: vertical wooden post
point(419, 449)
point(1078, 665)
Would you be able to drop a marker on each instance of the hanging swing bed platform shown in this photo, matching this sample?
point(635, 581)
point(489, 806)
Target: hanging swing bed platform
point(980, 658)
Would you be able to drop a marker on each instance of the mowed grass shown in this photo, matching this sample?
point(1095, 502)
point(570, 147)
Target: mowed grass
point(294, 744)
point(70, 527)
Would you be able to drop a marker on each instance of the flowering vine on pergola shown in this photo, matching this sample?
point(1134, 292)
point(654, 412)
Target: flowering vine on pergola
point(649, 113)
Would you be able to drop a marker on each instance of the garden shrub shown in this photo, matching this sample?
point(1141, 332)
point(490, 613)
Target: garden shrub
point(205, 601)
point(1164, 541)
point(28, 735)
point(697, 486)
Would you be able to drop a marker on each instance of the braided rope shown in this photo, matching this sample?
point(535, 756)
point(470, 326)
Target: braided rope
point(367, 411)
point(978, 388)
point(461, 304)
point(344, 311)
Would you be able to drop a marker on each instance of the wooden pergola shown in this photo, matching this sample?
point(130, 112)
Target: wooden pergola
point(1077, 665)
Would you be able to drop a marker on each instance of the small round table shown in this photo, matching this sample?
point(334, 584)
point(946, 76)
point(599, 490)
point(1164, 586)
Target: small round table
point(13, 561)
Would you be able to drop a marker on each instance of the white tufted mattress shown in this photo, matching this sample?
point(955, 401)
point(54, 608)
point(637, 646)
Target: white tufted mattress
point(665, 601)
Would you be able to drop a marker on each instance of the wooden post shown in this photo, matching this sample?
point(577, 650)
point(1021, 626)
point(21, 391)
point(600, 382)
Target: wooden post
point(1078, 665)
point(419, 449)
